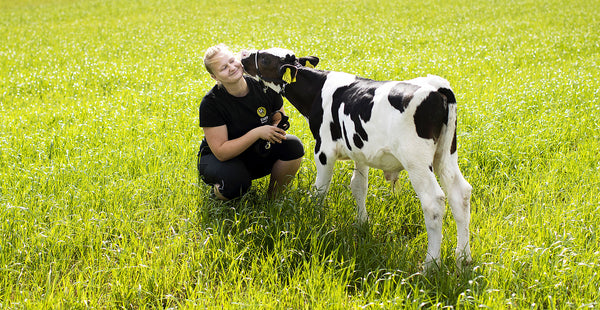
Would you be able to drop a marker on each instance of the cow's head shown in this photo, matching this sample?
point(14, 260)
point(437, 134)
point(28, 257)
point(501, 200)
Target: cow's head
point(275, 66)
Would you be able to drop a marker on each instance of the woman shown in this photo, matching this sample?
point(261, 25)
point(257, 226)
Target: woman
point(234, 115)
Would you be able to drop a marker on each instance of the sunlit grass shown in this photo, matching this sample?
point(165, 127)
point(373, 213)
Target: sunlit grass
point(100, 204)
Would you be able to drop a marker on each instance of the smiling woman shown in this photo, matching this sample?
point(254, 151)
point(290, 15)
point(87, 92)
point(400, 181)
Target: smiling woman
point(235, 116)
point(226, 67)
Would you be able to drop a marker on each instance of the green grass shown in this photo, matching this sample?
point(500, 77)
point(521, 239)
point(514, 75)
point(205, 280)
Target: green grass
point(100, 206)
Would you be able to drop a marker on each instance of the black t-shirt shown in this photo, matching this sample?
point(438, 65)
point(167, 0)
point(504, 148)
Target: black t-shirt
point(239, 114)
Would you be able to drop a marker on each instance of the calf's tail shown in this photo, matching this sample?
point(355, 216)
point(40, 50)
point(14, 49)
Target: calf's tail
point(447, 142)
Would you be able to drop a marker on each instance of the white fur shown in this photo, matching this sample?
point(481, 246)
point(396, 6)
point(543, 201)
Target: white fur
point(279, 52)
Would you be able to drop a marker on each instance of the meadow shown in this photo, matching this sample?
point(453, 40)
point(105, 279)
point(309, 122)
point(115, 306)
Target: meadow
point(101, 207)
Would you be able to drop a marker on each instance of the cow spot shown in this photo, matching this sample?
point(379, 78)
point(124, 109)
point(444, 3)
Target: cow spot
point(453, 147)
point(357, 99)
point(431, 115)
point(358, 141)
point(323, 159)
point(448, 93)
point(401, 94)
point(346, 138)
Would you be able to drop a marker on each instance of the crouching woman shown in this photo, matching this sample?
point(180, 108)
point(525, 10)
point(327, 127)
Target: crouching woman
point(241, 142)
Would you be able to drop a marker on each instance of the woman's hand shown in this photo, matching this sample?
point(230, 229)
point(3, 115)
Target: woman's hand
point(225, 149)
point(270, 133)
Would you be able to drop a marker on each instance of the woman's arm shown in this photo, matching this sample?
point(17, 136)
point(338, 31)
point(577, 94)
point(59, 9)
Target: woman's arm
point(225, 149)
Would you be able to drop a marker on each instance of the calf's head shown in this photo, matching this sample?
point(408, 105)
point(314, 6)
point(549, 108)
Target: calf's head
point(275, 66)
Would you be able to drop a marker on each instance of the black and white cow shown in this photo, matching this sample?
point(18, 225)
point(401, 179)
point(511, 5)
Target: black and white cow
point(388, 125)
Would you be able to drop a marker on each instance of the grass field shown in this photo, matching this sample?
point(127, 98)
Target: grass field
point(100, 206)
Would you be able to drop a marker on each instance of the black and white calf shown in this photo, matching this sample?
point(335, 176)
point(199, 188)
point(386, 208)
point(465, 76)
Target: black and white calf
point(388, 125)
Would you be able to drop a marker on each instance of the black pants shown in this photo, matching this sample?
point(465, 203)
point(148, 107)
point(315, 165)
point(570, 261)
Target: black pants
point(235, 175)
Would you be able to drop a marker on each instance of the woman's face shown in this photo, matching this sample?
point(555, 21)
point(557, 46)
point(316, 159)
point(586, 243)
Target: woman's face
point(226, 68)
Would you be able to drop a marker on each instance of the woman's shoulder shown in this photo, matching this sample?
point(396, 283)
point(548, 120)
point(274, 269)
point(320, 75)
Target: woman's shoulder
point(214, 94)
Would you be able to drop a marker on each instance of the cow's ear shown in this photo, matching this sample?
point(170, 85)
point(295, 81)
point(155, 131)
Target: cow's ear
point(309, 61)
point(288, 73)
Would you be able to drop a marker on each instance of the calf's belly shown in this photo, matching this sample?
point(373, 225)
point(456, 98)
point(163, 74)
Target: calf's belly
point(379, 159)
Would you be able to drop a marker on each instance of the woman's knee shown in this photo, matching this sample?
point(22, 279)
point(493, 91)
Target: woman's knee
point(231, 177)
point(292, 148)
point(233, 187)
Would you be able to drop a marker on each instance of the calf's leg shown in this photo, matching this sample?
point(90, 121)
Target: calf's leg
point(324, 174)
point(459, 199)
point(432, 202)
point(359, 186)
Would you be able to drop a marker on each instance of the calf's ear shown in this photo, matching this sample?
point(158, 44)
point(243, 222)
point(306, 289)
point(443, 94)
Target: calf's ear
point(288, 73)
point(309, 61)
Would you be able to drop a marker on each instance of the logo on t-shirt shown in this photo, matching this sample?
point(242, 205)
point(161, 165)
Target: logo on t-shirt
point(261, 111)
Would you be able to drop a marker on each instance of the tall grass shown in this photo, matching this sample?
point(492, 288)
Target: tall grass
point(100, 205)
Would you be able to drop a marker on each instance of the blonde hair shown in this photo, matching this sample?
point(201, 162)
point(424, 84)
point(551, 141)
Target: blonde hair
point(211, 52)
